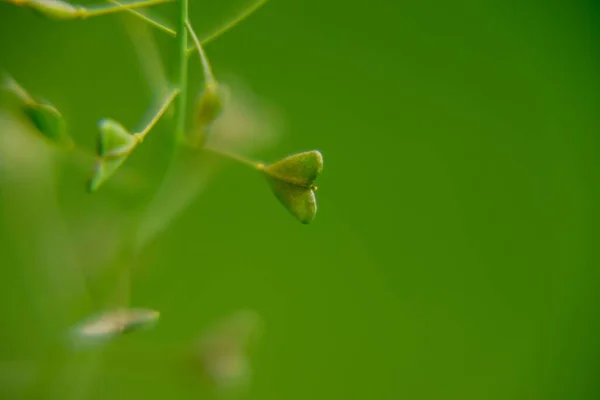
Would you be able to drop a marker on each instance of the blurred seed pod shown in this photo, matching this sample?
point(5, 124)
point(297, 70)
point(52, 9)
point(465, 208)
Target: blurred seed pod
point(54, 9)
point(224, 350)
point(209, 106)
point(292, 179)
point(105, 326)
point(44, 116)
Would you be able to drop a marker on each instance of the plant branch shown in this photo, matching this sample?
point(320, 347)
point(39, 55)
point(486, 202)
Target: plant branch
point(209, 78)
point(182, 73)
point(105, 10)
point(150, 20)
point(234, 157)
point(166, 103)
point(245, 13)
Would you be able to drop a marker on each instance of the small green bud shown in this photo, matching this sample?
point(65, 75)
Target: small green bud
point(55, 9)
point(208, 108)
point(115, 144)
point(292, 179)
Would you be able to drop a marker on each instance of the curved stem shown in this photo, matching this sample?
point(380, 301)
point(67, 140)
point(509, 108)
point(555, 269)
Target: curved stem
point(166, 103)
point(182, 73)
point(150, 20)
point(245, 13)
point(234, 157)
point(208, 75)
point(89, 12)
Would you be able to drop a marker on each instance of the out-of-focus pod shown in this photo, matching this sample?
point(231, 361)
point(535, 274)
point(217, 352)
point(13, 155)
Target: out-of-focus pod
point(46, 119)
point(224, 350)
point(102, 327)
point(208, 108)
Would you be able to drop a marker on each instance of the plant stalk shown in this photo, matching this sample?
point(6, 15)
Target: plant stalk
point(182, 73)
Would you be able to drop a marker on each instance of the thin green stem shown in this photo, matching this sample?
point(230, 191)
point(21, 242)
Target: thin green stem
point(105, 10)
point(209, 78)
point(150, 20)
point(11, 85)
point(182, 73)
point(221, 153)
point(166, 103)
point(245, 13)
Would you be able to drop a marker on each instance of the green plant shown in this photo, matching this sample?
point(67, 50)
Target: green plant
point(291, 178)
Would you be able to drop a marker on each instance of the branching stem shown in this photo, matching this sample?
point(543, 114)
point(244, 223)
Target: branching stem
point(182, 73)
point(209, 78)
point(159, 25)
point(245, 13)
point(89, 12)
point(164, 106)
point(221, 153)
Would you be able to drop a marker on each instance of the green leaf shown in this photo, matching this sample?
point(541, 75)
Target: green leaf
point(49, 122)
point(292, 179)
point(54, 9)
point(115, 144)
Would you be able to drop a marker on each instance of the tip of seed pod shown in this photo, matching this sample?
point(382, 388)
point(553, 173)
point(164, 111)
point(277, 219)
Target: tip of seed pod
point(103, 122)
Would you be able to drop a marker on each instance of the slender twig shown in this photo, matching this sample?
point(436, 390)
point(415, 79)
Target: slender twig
point(209, 78)
point(150, 20)
point(166, 103)
point(105, 10)
point(235, 157)
point(245, 13)
point(182, 73)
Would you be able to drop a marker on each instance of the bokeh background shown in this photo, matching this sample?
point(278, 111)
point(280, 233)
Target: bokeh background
point(453, 254)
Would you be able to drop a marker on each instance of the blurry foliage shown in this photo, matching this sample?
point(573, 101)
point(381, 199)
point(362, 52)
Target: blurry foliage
point(454, 256)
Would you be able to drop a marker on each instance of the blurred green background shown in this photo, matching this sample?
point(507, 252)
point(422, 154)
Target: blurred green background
point(453, 254)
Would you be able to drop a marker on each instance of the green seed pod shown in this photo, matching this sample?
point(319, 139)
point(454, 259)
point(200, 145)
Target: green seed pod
point(115, 144)
point(292, 179)
point(208, 108)
point(299, 200)
point(49, 122)
point(55, 9)
point(114, 139)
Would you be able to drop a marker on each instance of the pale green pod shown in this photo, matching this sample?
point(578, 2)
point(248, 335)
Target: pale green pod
point(115, 144)
point(292, 179)
point(114, 139)
point(300, 201)
point(208, 108)
point(55, 9)
point(300, 169)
